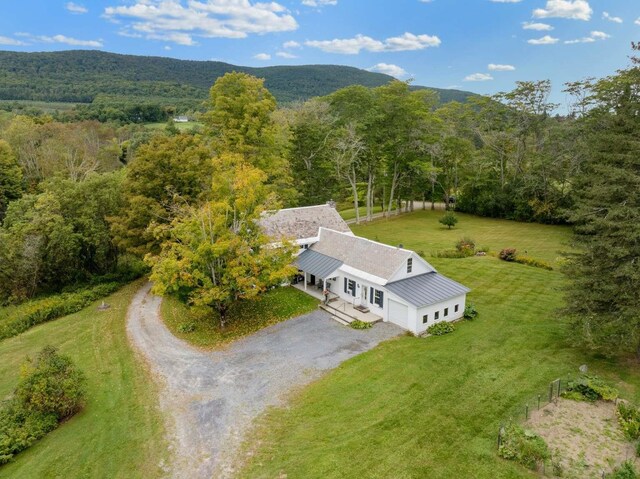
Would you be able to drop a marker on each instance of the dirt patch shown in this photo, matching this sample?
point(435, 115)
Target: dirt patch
point(586, 438)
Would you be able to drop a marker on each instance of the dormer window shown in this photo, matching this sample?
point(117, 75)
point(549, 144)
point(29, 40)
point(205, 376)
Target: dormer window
point(409, 265)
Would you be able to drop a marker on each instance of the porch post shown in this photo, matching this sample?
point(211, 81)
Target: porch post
point(305, 280)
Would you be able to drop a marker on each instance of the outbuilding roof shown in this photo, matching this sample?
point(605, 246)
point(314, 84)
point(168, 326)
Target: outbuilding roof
point(371, 257)
point(301, 223)
point(317, 264)
point(426, 289)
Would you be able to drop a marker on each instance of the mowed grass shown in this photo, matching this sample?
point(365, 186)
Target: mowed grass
point(431, 408)
point(421, 231)
point(119, 434)
point(350, 213)
point(188, 126)
point(244, 318)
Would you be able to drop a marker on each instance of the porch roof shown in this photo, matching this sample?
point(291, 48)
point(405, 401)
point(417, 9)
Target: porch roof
point(317, 264)
point(427, 289)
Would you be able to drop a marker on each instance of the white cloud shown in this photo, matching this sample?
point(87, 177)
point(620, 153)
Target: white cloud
point(541, 27)
point(319, 3)
point(571, 9)
point(546, 40)
point(70, 41)
point(611, 18)
point(352, 46)
point(10, 41)
point(76, 8)
point(285, 55)
point(262, 56)
point(389, 69)
point(479, 77)
point(180, 20)
point(595, 35)
point(501, 68)
point(637, 22)
point(291, 44)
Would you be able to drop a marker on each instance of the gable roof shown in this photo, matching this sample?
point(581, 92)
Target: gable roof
point(426, 289)
point(304, 222)
point(365, 255)
point(317, 264)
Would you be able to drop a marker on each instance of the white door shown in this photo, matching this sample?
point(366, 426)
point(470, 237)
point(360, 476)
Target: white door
point(399, 314)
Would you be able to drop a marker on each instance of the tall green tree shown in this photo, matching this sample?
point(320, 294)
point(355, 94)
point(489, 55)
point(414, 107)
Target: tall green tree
point(165, 173)
point(217, 254)
point(241, 120)
point(10, 178)
point(605, 275)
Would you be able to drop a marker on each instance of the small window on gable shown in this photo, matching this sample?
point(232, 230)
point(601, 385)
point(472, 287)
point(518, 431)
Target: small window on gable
point(437, 315)
point(446, 312)
point(409, 265)
point(425, 319)
point(456, 308)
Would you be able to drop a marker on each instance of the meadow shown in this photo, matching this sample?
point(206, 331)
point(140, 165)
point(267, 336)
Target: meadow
point(120, 431)
point(431, 407)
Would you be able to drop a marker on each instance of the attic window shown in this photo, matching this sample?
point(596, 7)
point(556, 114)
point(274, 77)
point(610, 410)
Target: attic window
point(409, 265)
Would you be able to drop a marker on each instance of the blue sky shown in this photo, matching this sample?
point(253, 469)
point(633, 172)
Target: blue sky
point(478, 45)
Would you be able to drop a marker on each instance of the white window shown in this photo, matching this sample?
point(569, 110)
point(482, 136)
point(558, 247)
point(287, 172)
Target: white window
point(437, 315)
point(425, 319)
point(446, 312)
point(457, 307)
point(409, 265)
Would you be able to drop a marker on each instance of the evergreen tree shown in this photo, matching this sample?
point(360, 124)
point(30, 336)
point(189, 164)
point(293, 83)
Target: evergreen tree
point(605, 276)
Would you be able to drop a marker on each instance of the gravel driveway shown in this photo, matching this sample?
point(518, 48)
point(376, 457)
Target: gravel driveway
point(212, 397)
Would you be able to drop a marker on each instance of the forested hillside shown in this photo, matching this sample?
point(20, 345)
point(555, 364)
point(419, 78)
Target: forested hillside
point(82, 76)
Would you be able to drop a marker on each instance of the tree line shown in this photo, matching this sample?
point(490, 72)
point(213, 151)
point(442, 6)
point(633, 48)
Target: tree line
point(76, 198)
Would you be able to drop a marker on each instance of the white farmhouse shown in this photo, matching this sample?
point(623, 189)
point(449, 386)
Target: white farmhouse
point(362, 279)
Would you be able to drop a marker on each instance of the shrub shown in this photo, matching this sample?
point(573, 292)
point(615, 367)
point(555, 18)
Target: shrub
point(536, 263)
point(449, 219)
point(441, 328)
point(187, 328)
point(50, 390)
point(523, 446)
point(451, 253)
point(638, 449)
point(357, 324)
point(466, 246)
point(470, 312)
point(508, 254)
point(626, 470)
point(589, 388)
point(42, 310)
point(629, 419)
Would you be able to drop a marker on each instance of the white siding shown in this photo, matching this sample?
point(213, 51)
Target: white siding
point(419, 266)
point(338, 288)
point(440, 307)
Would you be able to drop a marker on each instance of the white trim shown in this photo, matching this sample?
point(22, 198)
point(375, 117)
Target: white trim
point(362, 275)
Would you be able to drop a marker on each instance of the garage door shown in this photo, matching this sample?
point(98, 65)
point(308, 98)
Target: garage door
point(399, 314)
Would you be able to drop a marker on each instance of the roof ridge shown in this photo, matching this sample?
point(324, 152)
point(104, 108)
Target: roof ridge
point(395, 248)
point(302, 208)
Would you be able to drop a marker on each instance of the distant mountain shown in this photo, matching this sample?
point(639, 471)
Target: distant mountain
point(86, 75)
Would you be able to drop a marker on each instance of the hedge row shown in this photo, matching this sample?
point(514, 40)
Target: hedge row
point(42, 310)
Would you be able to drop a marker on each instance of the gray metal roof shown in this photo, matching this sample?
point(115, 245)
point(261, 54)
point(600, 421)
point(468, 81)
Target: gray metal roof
point(318, 264)
point(426, 289)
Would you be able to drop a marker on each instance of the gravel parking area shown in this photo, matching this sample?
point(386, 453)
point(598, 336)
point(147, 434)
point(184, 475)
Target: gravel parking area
point(211, 398)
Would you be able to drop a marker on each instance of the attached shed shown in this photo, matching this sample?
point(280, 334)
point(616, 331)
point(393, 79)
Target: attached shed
point(426, 299)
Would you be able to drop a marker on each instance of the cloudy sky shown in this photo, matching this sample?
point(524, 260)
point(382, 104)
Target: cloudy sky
point(478, 45)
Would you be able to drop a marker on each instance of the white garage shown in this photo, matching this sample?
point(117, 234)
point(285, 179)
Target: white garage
point(398, 314)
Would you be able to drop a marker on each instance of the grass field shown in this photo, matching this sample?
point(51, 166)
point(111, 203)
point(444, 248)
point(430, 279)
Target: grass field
point(246, 318)
point(421, 231)
point(431, 408)
point(119, 434)
point(180, 126)
point(350, 213)
point(45, 106)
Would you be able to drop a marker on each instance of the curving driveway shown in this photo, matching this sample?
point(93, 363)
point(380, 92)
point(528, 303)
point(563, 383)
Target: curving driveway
point(212, 397)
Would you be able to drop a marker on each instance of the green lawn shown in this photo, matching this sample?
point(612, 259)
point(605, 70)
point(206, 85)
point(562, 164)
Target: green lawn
point(245, 318)
point(350, 213)
point(421, 231)
point(119, 434)
point(431, 408)
point(180, 126)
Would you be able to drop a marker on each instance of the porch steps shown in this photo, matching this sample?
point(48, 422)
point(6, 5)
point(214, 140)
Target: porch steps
point(337, 315)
